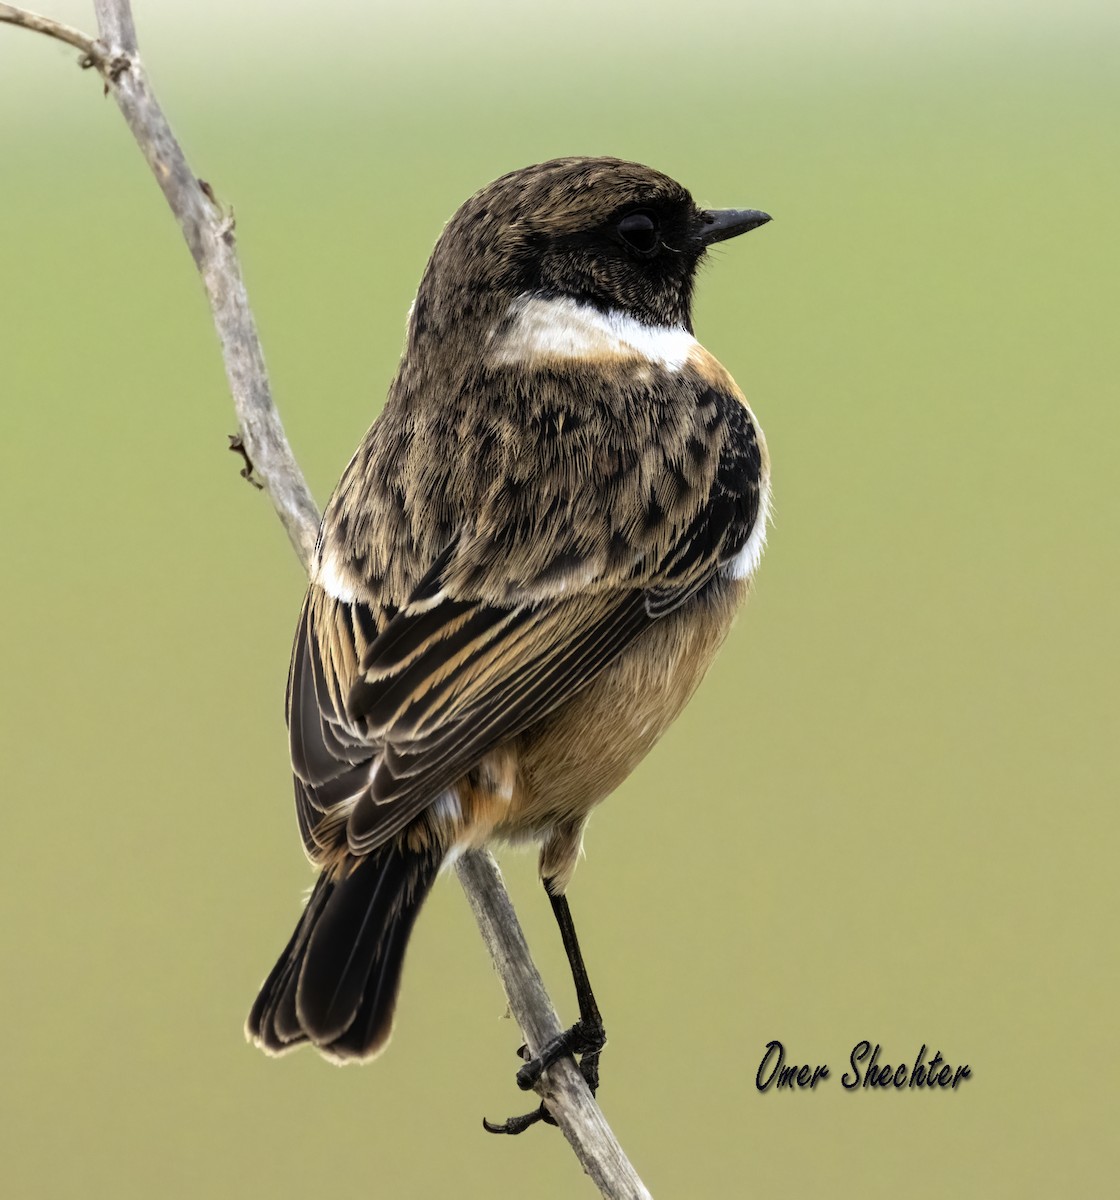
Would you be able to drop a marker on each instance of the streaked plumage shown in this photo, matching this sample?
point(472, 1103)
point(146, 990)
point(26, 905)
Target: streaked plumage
point(522, 576)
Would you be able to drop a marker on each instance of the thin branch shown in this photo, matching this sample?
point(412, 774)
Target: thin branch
point(55, 29)
point(209, 233)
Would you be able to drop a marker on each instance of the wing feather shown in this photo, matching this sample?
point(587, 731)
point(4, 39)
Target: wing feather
point(410, 773)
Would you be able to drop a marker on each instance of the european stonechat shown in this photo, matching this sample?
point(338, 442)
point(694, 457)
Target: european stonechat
point(520, 580)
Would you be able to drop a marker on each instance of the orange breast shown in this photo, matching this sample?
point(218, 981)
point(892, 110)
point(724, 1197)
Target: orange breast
point(582, 752)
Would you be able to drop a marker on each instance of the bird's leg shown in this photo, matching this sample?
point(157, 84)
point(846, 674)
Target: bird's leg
point(586, 1037)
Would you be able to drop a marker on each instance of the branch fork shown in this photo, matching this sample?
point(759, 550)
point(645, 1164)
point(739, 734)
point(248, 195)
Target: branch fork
point(111, 66)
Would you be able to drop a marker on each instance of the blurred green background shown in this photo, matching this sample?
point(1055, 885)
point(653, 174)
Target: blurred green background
point(889, 813)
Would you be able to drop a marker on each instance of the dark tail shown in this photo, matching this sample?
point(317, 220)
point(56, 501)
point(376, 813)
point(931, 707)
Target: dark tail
point(336, 983)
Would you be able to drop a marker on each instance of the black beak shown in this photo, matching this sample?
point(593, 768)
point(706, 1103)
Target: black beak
point(722, 223)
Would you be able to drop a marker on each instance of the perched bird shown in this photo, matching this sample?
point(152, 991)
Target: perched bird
point(522, 576)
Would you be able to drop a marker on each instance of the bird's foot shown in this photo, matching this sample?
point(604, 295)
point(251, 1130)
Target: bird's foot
point(584, 1039)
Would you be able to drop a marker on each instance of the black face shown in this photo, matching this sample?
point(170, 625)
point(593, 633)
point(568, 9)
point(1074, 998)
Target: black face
point(641, 260)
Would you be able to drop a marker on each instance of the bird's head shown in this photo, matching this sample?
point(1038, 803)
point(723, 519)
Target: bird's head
point(615, 235)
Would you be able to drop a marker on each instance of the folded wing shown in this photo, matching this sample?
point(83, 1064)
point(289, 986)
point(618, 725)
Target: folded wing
point(388, 711)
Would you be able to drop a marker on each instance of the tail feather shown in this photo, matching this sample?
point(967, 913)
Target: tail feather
point(336, 983)
point(344, 950)
point(373, 1022)
point(273, 1024)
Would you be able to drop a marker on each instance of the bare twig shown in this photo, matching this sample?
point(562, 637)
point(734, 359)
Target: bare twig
point(92, 49)
point(209, 233)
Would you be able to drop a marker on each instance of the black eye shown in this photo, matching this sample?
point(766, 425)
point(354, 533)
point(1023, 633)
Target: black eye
point(639, 231)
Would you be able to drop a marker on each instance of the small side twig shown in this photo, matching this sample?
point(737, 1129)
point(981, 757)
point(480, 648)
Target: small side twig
point(94, 53)
point(209, 233)
point(238, 447)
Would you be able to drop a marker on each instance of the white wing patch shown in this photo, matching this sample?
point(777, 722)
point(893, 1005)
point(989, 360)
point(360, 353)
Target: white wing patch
point(745, 563)
point(335, 579)
point(565, 328)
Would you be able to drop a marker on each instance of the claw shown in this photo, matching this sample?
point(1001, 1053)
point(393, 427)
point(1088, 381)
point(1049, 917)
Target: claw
point(516, 1125)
